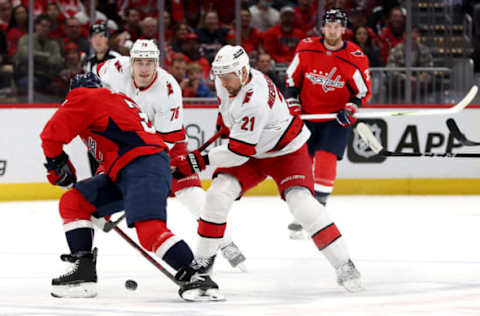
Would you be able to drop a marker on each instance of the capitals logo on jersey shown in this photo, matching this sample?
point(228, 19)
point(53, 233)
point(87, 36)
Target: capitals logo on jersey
point(325, 79)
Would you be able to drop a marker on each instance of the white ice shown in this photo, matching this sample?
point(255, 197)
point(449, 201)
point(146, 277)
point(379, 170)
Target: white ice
point(417, 255)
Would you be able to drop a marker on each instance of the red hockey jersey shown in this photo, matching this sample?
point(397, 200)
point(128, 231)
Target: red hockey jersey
point(327, 79)
point(110, 124)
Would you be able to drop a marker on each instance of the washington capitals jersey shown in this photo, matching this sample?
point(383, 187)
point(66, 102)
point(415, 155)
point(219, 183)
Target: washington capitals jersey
point(110, 124)
point(328, 79)
point(161, 100)
point(259, 121)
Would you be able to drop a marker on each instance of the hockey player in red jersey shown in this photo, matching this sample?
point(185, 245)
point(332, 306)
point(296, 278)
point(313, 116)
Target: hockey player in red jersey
point(327, 75)
point(264, 139)
point(137, 178)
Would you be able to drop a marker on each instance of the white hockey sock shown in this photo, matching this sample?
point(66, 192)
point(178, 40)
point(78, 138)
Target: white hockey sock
point(316, 222)
point(193, 199)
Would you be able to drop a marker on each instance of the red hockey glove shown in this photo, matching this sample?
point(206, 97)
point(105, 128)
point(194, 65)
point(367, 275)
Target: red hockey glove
point(179, 149)
point(345, 116)
point(189, 164)
point(294, 106)
point(61, 172)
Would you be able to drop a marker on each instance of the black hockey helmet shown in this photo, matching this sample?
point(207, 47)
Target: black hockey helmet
point(98, 28)
point(335, 15)
point(88, 80)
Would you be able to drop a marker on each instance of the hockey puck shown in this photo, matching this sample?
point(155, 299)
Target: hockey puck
point(131, 285)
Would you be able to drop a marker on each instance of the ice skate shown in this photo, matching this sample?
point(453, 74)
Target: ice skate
point(198, 286)
point(235, 257)
point(296, 231)
point(349, 277)
point(80, 280)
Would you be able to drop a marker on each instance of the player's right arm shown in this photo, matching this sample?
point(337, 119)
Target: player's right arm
point(294, 79)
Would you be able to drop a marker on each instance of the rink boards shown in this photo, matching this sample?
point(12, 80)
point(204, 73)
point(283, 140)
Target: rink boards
point(22, 175)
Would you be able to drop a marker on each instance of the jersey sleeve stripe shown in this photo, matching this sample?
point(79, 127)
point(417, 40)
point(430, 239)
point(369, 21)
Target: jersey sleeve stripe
point(292, 68)
point(241, 148)
point(174, 136)
point(361, 85)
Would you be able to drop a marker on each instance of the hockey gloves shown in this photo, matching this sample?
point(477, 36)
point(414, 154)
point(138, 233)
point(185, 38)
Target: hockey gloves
point(294, 106)
point(345, 116)
point(189, 164)
point(61, 172)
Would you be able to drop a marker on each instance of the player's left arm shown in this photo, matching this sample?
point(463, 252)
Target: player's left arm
point(358, 84)
point(169, 121)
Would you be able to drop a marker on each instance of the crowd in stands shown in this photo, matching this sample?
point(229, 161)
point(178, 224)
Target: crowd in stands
point(65, 43)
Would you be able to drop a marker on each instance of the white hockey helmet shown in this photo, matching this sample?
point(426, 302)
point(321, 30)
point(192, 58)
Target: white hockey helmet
point(231, 59)
point(144, 49)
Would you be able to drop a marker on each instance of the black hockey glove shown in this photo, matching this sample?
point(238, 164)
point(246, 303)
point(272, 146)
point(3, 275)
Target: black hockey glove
point(61, 172)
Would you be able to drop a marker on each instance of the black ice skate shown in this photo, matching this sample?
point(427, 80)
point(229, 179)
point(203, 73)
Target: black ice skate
point(198, 286)
point(81, 278)
point(235, 257)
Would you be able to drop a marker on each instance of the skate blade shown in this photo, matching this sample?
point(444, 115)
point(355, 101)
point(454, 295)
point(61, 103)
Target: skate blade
point(199, 295)
point(243, 267)
point(353, 286)
point(83, 290)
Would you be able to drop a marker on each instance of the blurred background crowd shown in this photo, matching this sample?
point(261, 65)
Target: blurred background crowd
point(70, 38)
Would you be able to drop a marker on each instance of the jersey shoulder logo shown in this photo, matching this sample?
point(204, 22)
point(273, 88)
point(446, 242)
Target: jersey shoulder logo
point(357, 53)
point(169, 88)
point(325, 79)
point(118, 66)
point(248, 96)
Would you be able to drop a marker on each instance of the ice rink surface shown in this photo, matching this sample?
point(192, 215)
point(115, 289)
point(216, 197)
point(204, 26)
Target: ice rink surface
point(417, 255)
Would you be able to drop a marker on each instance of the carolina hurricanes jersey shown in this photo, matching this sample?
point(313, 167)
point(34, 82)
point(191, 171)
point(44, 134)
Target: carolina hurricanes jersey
point(161, 100)
point(110, 124)
point(328, 79)
point(259, 121)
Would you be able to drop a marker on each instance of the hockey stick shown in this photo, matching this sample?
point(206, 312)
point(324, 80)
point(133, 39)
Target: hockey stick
point(210, 140)
point(146, 255)
point(109, 225)
point(453, 128)
point(454, 109)
point(372, 142)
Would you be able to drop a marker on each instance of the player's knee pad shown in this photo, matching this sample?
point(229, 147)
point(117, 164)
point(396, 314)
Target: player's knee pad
point(306, 209)
point(324, 171)
point(220, 197)
point(152, 233)
point(75, 210)
point(193, 198)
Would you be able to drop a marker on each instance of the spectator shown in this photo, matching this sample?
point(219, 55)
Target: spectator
point(191, 49)
point(149, 29)
point(306, 16)
point(281, 40)
point(47, 58)
point(224, 11)
point(359, 18)
point(131, 28)
point(98, 37)
point(251, 37)
point(144, 7)
point(195, 86)
point(68, 8)
point(18, 27)
point(72, 65)
point(57, 30)
point(421, 57)
point(394, 33)
point(5, 14)
point(118, 42)
point(263, 15)
point(179, 32)
point(265, 65)
point(362, 38)
point(73, 33)
point(83, 17)
point(168, 25)
point(39, 6)
point(212, 36)
point(178, 69)
point(6, 70)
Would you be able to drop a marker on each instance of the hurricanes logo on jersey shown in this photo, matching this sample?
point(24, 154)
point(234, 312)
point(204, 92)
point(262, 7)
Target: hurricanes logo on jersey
point(325, 79)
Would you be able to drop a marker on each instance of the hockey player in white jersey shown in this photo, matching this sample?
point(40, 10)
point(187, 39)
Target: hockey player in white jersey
point(264, 140)
point(160, 97)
